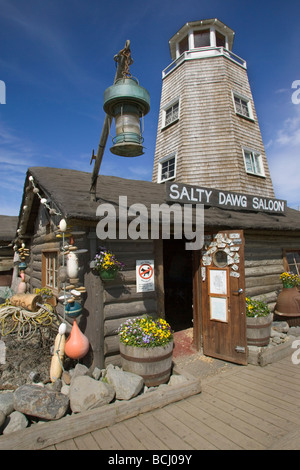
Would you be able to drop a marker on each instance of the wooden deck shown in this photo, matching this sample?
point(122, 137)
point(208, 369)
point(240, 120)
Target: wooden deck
point(248, 407)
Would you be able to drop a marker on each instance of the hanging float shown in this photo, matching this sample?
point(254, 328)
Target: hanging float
point(77, 344)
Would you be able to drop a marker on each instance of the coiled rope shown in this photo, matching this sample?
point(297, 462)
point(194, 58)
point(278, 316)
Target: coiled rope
point(23, 322)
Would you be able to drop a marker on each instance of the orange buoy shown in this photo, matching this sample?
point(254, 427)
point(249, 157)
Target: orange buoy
point(77, 344)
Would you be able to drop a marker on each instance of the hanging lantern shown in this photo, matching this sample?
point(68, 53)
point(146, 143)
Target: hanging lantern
point(128, 103)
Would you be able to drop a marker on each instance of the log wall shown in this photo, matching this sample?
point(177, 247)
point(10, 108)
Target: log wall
point(121, 301)
point(264, 262)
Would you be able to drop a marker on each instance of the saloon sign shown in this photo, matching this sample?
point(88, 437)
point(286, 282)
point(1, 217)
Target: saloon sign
point(183, 193)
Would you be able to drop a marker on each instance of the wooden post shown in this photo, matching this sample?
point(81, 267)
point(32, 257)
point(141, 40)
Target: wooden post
point(95, 322)
point(106, 127)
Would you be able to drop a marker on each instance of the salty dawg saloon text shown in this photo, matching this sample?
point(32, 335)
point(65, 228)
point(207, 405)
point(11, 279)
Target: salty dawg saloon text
point(183, 193)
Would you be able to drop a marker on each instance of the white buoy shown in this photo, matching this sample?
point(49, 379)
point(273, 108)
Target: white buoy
point(62, 329)
point(72, 265)
point(63, 225)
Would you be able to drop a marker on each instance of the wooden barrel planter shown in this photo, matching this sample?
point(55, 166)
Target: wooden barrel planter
point(259, 330)
point(153, 364)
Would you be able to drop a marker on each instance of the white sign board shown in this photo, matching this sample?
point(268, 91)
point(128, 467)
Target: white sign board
point(145, 275)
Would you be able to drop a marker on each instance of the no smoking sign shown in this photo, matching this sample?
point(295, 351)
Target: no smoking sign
point(145, 275)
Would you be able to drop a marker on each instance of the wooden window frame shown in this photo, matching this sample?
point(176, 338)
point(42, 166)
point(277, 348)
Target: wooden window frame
point(175, 114)
point(254, 155)
point(163, 160)
point(45, 257)
point(246, 100)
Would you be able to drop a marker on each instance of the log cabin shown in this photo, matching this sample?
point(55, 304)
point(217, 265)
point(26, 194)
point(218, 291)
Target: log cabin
point(256, 242)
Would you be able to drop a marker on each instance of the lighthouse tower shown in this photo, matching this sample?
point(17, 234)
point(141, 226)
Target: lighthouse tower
point(208, 133)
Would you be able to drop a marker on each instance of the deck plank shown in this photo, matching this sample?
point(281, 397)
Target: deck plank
point(143, 434)
point(181, 428)
point(220, 423)
point(106, 440)
point(170, 439)
point(122, 432)
point(86, 442)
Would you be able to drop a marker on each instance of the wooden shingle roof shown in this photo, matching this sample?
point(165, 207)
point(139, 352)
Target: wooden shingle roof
point(69, 190)
point(8, 227)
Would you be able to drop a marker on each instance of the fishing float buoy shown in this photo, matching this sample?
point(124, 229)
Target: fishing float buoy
point(72, 265)
point(77, 344)
point(58, 354)
point(73, 308)
point(63, 225)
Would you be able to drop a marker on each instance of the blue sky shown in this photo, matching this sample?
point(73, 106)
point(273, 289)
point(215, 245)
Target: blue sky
point(56, 60)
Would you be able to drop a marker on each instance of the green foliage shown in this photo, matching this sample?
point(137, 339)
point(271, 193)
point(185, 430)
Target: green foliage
point(256, 308)
point(145, 332)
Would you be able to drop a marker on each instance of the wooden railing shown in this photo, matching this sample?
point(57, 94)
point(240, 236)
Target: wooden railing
point(204, 52)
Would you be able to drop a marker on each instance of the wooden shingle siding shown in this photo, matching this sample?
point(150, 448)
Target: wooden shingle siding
point(209, 135)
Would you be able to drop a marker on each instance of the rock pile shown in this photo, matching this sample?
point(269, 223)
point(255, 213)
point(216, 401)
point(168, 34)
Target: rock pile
point(282, 332)
point(280, 345)
point(78, 390)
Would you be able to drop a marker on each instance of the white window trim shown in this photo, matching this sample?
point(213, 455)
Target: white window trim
point(244, 98)
point(248, 150)
point(164, 111)
point(162, 160)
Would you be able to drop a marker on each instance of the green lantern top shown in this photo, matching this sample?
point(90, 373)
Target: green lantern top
point(126, 91)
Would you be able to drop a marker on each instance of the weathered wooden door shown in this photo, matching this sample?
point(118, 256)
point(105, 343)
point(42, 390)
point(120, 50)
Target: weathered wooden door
point(223, 297)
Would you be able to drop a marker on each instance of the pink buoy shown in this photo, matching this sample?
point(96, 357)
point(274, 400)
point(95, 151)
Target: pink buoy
point(77, 344)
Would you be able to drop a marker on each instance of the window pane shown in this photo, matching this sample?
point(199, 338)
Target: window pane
point(184, 45)
point(257, 164)
point(168, 169)
point(244, 106)
point(220, 39)
point(241, 106)
point(202, 38)
point(248, 161)
point(171, 114)
point(51, 267)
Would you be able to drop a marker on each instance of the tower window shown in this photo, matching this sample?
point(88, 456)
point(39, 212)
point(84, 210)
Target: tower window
point(202, 38)
point(183, 45)
point(253, 163)
point(242, 106)
point(171, 114)
point(220, 39)
point(167, 168)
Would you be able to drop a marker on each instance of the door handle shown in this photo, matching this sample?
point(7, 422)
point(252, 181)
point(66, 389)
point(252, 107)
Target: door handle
point(238, 292)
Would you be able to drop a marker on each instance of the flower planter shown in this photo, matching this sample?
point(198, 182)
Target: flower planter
point(107, 275)
point(153, 364)
point(259, 330)
point(287, 307)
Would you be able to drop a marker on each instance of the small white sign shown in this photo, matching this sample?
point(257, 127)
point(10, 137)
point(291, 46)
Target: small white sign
point(145, 275)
